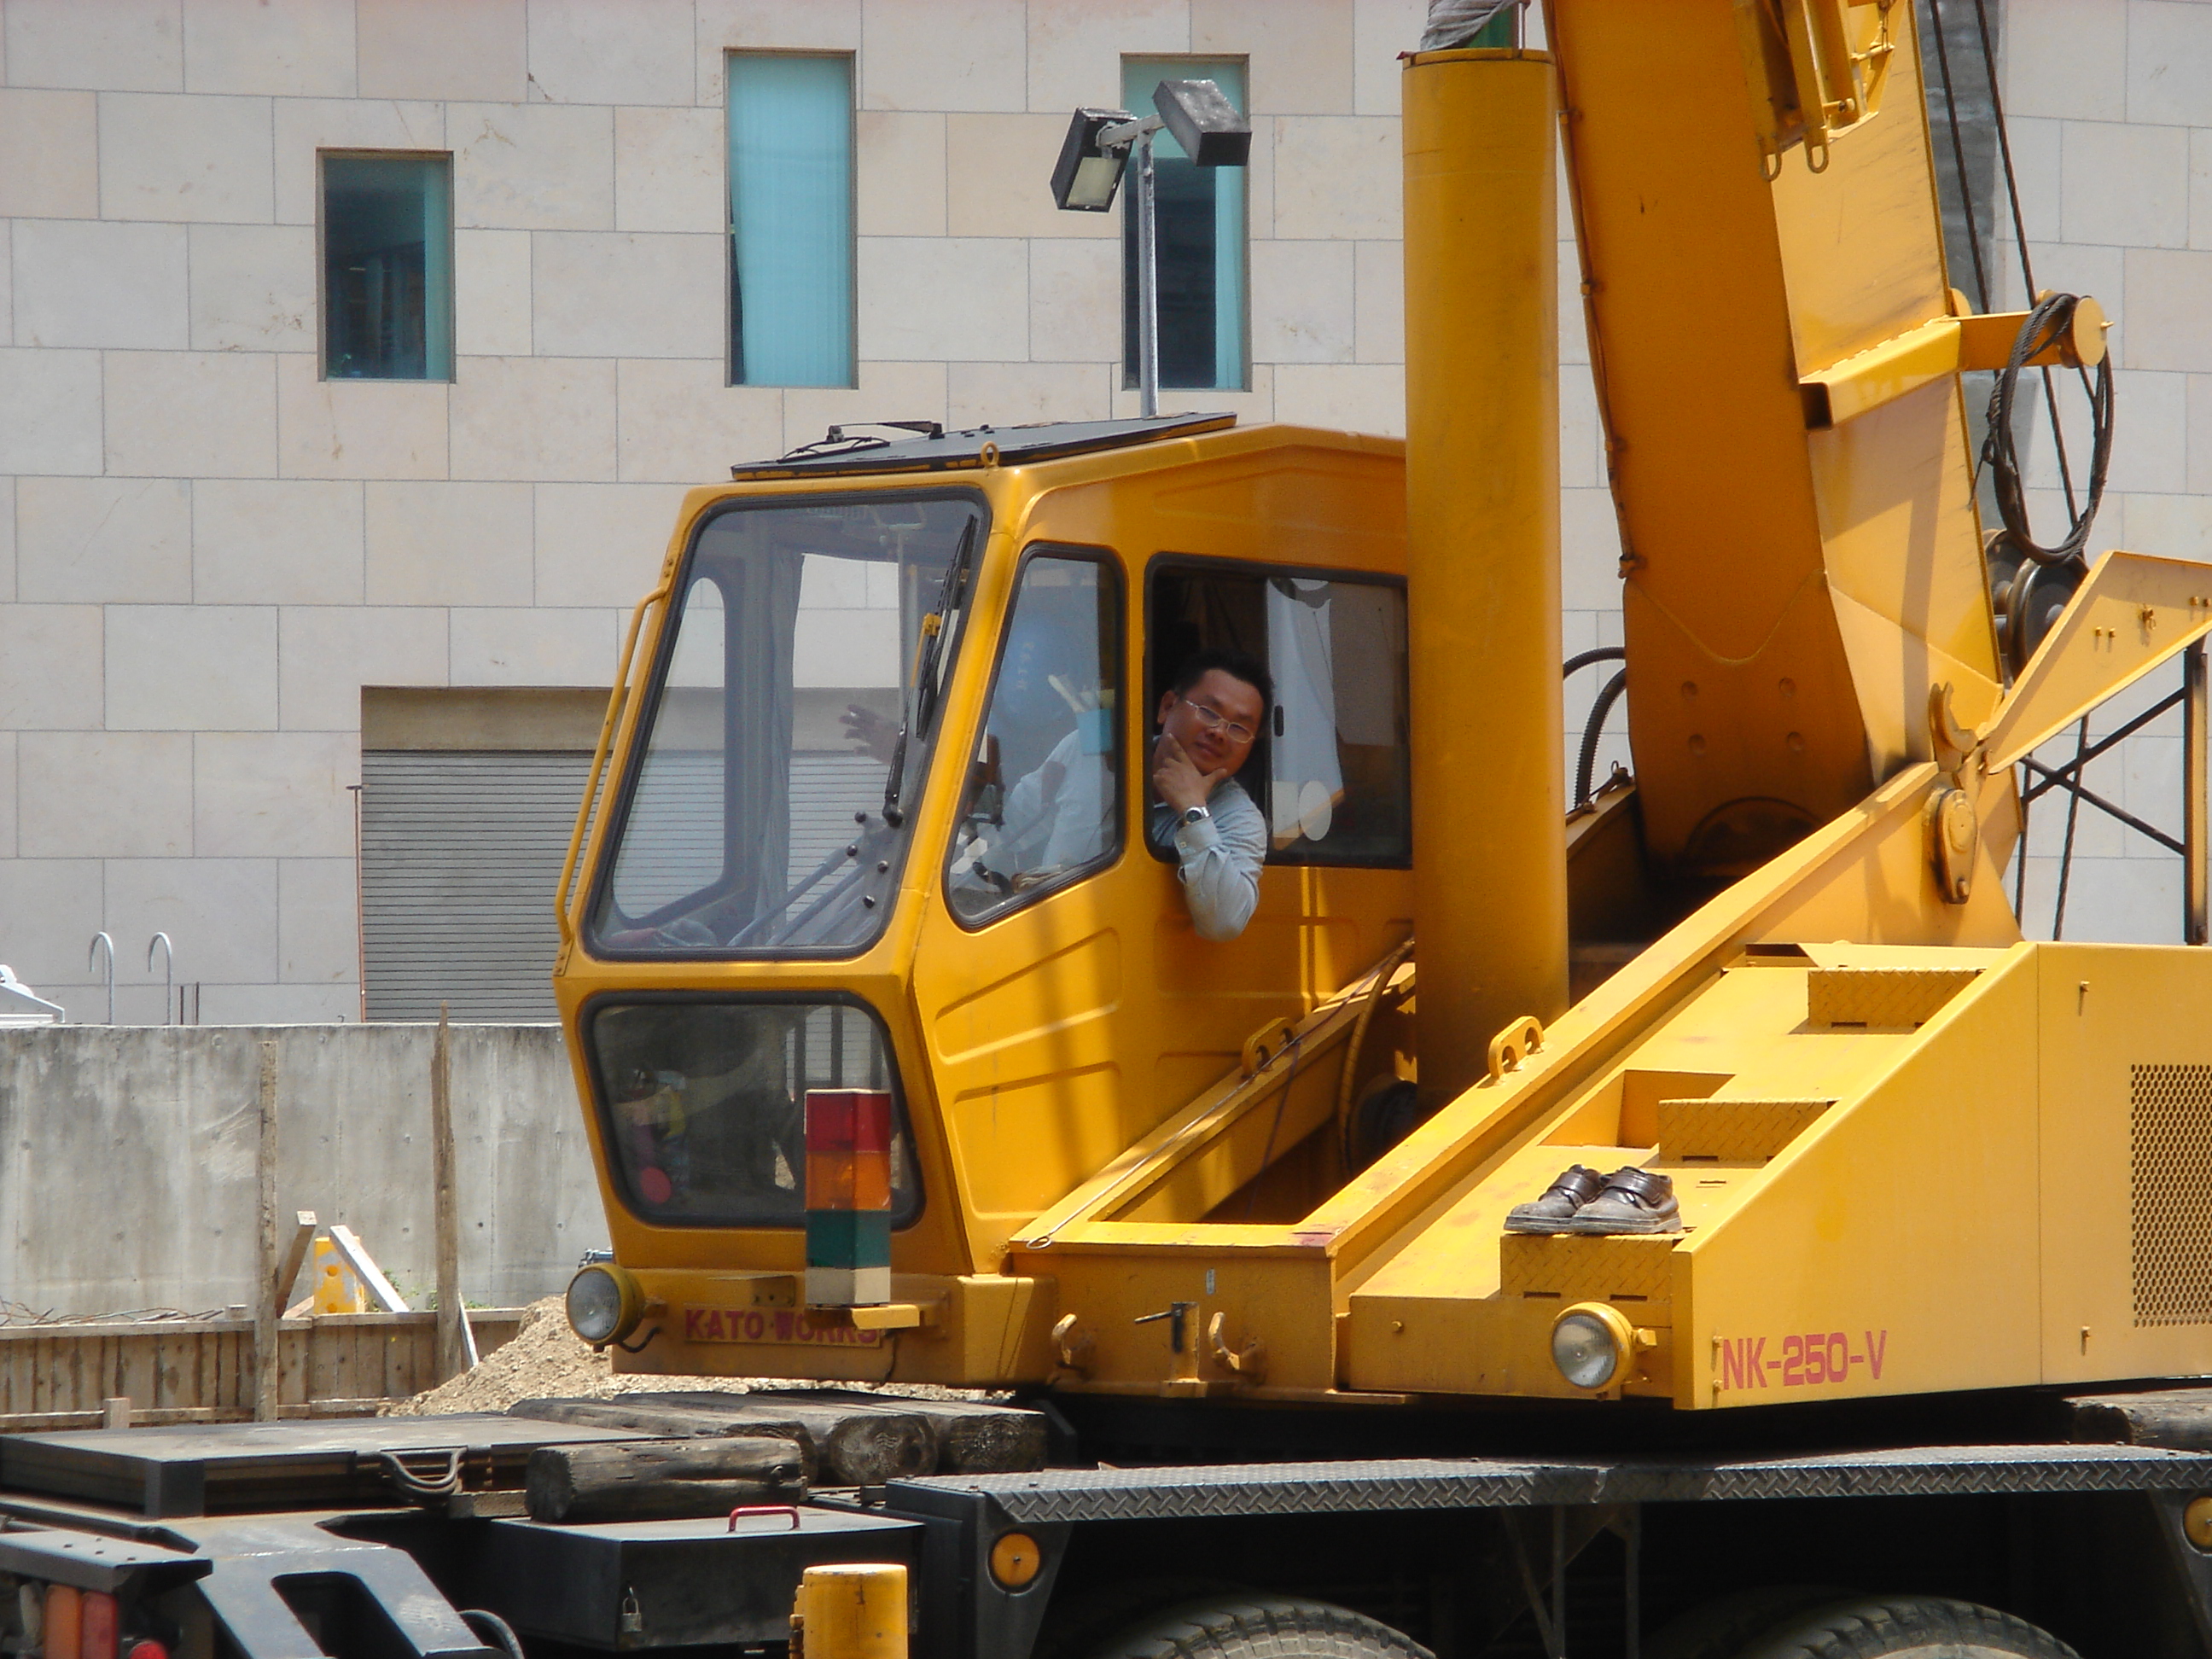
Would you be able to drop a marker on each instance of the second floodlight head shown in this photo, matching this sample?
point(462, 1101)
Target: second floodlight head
point(1204, 123)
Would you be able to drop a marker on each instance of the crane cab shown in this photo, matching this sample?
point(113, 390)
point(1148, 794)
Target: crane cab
point(874, 816)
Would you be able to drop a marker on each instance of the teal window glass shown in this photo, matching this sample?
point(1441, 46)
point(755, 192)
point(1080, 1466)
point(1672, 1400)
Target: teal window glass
point(387, 267)
point(1202, 241)
point(791, 219)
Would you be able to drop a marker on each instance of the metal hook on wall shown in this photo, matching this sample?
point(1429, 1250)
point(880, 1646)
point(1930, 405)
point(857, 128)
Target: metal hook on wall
point(98, 941)
point(169, 975)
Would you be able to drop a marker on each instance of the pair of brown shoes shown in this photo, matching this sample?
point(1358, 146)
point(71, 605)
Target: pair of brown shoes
point(1630, 1200)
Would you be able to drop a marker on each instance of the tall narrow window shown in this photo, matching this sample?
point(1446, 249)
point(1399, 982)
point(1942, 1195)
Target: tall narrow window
point(1202, 241)
point(791, 219)
point(387, 267)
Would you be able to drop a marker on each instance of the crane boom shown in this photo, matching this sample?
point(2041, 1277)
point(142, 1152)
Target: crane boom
point(1790, 589)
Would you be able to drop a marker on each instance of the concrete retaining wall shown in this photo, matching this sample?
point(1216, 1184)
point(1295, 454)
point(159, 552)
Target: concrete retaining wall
point(127, 1175)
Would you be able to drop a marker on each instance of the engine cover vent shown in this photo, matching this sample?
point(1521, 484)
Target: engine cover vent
point(2169, 1154)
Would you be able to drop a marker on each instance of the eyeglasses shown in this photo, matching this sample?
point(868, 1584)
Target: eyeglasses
point(1214, 721)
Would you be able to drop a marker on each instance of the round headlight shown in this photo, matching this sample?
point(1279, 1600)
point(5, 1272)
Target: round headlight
point(605, 1305)
point(1588, 1341)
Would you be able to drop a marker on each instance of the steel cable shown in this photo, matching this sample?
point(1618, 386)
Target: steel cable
point(2047, 323)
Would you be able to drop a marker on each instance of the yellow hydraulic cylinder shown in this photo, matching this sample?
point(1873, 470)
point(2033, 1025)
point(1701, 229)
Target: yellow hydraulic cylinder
point(1482, 554)
point(851, 1612)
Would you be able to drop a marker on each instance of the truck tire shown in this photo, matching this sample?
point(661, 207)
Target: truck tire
point(1886, 1626)
point(1073, 1626)
point(1723, 1627)
point(1254, 1625)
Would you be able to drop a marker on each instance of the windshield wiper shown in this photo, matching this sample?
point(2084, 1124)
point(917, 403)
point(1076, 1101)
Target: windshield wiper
point(928, 651)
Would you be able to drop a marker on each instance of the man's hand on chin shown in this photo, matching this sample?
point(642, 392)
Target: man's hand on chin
point(1176, 779)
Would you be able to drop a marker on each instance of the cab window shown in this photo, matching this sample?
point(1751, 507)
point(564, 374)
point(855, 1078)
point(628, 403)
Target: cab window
point(1043, 803)
point(1330, 769)
point(788, 728)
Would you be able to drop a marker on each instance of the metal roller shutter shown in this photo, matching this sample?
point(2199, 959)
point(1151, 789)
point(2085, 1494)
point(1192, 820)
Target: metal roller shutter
point(460, 851)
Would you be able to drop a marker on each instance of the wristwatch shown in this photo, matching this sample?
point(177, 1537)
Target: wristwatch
point(1193, 814)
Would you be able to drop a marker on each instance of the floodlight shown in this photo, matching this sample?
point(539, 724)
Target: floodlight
point(1205, 123)
point(1101, 142)
point(1089, 173)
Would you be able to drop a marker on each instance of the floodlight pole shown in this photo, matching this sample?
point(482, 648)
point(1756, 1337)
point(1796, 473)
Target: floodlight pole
point(1148, 280)
point(1137, 137)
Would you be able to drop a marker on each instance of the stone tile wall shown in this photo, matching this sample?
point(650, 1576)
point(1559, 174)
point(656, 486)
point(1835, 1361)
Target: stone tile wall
point(2110, 111)
point(205, 549)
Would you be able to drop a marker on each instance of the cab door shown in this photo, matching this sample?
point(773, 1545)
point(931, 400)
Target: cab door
point(1030, 972)
point(1068, 1002)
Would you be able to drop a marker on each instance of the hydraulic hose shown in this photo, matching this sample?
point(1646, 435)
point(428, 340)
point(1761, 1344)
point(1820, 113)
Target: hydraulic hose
point(1379, 983)
point(1593, 730)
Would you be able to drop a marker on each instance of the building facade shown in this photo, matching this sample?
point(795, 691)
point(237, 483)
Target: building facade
point(305, 612)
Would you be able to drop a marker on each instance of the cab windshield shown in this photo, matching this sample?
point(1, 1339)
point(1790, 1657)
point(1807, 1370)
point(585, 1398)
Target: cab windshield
point(792, 715)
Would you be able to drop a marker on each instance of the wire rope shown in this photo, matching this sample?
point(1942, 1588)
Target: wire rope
point(1959, 159)
point(2048, 323)
point(2019, 229)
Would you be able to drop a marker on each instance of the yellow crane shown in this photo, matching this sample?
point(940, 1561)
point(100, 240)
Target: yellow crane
point(1912, 1152)
point(1390, 1276)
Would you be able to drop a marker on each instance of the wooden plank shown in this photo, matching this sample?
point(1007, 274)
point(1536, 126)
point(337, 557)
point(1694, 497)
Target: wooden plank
point(322, 1377)
point(661, 1479)
point(410, 1363)
point(856, 1446)
point(300, 1337)
point(296, 1256)
point(2179, 1419)
point(322, 1408)
point(494, 1326)
point(266, 1310)
point(452, 1357)
point(976, 1436)
point(49, 1422)
point(372, 1276)
point(50, 1371)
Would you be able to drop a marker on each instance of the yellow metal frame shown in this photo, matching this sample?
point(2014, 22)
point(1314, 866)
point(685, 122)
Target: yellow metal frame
point(1907, 1144)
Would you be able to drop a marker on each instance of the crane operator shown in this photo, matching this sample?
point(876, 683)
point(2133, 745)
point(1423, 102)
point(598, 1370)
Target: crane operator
point(1058, 817)
point(1209, 719)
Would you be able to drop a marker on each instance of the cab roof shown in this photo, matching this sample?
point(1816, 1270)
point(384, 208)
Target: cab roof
point(845, 451)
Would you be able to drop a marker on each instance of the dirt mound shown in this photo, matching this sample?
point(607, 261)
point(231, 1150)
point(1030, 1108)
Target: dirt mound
point(545, 1357)
point(547, 1360)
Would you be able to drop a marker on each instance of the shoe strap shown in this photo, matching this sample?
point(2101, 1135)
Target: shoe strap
point(1578, 1181)
point(1646, 1186)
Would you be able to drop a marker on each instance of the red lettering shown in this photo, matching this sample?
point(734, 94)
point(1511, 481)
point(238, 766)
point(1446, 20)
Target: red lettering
point(1793, 1362)
point(1754, 1360)
point(1731, 1362)
point(691, 1324)
point(1877, 1344)
point(1839, 1356)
